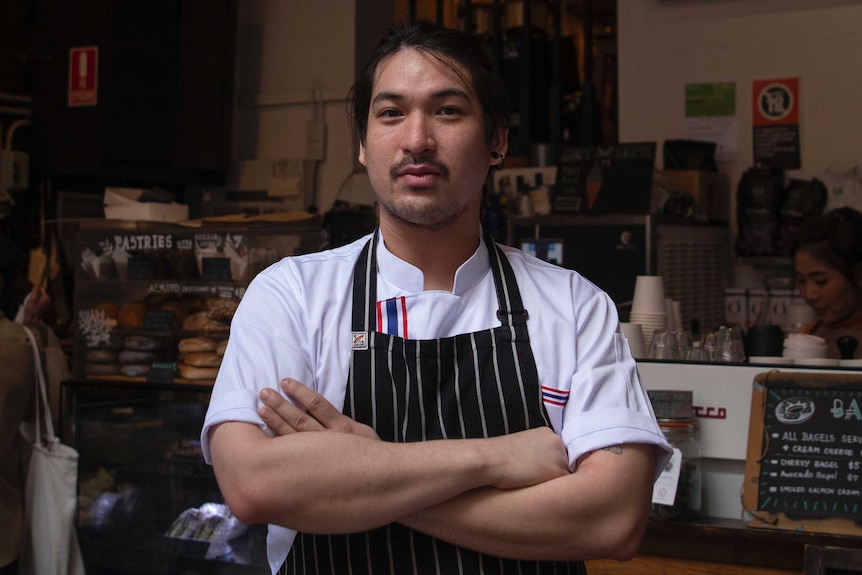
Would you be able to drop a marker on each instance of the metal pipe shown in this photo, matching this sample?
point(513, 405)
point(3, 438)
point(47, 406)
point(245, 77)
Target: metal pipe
point(589, 90)
point(14, 126)
point(17, 98)
point(12, 111)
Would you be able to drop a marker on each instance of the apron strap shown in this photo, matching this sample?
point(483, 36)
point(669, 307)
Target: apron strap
point(511, 311)
point(365, 287)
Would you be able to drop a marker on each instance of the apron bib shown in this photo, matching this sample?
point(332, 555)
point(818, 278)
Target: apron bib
point(474, 385)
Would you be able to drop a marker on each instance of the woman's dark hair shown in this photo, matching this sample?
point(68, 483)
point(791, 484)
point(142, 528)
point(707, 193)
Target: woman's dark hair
point(457, 50)
point(834, 238)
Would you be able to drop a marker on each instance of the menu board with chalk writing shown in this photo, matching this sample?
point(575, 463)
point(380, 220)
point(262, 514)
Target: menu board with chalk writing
point(612, 179)
point(804, 461)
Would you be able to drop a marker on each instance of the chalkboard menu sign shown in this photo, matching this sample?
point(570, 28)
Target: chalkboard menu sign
point(159, 320)
point(614, 179)
point(216, 269)
point(140, 269)
point(162, 372)
point(804, 460)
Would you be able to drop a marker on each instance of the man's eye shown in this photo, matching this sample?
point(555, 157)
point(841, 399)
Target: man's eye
point(389, 113)
point(450, 111)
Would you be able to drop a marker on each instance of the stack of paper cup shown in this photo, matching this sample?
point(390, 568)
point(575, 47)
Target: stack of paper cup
point(804, 348)
point(648, 307)
point(634, 335)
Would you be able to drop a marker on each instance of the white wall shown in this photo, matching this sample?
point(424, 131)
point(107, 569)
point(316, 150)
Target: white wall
point(665, 44)
point(286, 50)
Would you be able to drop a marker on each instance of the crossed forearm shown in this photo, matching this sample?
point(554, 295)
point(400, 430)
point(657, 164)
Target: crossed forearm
point(509, 496)
point(326, 482)
point(599, 511)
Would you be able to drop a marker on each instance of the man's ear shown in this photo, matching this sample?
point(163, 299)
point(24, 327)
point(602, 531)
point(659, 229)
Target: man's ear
point(362, 154)
point(500, 142)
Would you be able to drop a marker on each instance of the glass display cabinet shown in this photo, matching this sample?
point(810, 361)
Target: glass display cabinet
point(147, 501)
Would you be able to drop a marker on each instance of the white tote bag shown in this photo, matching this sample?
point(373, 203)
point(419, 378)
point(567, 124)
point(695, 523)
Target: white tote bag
point(50, 541)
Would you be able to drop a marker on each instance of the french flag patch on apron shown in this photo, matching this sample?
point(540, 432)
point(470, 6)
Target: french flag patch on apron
point(392, 316)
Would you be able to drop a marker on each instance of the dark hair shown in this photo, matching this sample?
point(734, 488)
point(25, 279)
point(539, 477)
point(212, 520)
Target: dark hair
point(457, 50)
point(835, 238)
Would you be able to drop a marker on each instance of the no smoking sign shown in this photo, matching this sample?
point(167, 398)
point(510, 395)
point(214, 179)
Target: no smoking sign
point(775, 102)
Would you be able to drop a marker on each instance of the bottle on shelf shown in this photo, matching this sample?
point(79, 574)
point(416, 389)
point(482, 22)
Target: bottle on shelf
point(540, 196)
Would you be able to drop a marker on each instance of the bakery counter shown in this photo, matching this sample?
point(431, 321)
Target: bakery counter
point(722, 395)
point(712, 546)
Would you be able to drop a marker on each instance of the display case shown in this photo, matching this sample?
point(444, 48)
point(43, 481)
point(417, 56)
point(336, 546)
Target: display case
point(153, 302)
point(147, 501)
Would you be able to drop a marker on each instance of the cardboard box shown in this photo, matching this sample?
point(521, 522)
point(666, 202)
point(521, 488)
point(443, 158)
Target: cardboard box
point(710, 190)
point(143, 205)
point(148, 211)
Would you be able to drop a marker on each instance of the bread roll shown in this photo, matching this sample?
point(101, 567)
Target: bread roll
point(202, 359)
point(102, 368)
point(135, 356)
point(143, 343)
point(220, 308)
point(101, 356)
point(191, 344)
point(132, 315)
point(109, 311)
point(135, 369)
point(202, 322)
point(194, 372)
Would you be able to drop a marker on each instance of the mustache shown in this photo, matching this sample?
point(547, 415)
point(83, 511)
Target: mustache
point(420, 161)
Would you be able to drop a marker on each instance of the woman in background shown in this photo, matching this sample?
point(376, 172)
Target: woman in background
point(827, 259)
point(20, 303)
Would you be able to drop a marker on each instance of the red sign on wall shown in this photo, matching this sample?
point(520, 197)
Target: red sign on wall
point(775, 123)
point(775, 102)
point(83, 76)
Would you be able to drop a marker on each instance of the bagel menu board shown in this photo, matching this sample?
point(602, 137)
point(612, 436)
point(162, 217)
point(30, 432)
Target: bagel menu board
point(803, 469)
point(156, 303)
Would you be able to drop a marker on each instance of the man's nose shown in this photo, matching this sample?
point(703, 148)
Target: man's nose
point(417, 137)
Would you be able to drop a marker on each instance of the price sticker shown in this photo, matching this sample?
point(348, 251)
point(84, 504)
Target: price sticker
point(664, 489)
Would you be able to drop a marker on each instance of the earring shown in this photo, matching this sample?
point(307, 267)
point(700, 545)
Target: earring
point(498, 156)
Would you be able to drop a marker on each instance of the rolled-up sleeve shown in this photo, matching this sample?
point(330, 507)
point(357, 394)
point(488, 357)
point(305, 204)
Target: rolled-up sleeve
point(607, 404)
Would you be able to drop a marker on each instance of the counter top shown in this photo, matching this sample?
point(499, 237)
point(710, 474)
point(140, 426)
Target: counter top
point(730, 541)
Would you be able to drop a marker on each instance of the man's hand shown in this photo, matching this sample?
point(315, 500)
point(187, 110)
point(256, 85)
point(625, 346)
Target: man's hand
point(309, 411)
point(37, 304)
point(529, 457)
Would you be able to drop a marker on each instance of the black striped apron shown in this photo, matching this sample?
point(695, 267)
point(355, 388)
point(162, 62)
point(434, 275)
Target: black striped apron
point(474, 385)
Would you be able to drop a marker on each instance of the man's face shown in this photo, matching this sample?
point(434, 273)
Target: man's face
point(425, 149)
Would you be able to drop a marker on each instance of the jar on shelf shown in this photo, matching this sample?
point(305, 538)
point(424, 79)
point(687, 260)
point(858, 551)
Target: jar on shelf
point(677, 491)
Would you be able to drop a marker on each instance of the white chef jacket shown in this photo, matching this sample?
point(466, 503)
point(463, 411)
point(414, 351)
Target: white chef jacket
point(295, 321)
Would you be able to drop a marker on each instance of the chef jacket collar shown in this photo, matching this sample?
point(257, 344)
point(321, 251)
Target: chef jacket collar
point(411, 279)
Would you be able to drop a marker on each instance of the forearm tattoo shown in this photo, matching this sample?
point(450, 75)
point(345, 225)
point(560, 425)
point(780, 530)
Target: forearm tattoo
point(617, 449)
